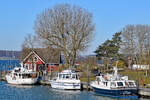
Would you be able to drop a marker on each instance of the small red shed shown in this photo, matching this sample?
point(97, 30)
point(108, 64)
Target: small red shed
point(41, 59)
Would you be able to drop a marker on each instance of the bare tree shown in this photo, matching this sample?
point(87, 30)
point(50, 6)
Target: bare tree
point(32, 41)
point(68, 28)
point(128, 42)
point(29, 41)
point(135, 41)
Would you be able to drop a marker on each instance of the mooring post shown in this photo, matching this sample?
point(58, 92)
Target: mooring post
point(50, 73)
point(87, 84)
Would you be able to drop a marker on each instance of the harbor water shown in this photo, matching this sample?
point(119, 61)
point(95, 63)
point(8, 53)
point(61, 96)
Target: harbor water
point(39, 92)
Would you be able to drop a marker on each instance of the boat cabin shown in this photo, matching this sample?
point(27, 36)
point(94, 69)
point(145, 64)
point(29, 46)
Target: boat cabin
point(68, 74)
point(22, 73)
point(115, 83)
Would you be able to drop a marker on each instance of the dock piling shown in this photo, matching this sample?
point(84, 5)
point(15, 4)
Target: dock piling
point(87, 84)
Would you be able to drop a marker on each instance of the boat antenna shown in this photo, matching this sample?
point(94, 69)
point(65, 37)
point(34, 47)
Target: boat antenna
point(116, 69)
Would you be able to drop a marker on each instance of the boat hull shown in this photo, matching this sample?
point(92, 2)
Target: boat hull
point(18, 81)
point(65, 86)
point(117, 93)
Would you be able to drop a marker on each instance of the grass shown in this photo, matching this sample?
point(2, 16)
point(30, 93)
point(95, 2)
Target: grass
point(84, 79)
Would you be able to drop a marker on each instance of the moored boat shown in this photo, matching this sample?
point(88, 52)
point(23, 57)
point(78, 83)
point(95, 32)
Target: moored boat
point(21, 76)
point(67, 80)
point(113, 85)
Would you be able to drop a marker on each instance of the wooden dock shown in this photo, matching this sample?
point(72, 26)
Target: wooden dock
point(144, 92)
point(41, 82)
point(85, 87)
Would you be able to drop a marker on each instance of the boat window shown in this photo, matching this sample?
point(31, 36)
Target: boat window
point(54, 79)
point(67, 76)
point(17, 70)
point(15, 74)
point(74, 76)
point(98, 79)
point(113, 84)
point(119, 83)
point(60, 75)
point(22, 75)
point(63, 76)
point(27, 75)
point(105, 83)
point(131, 83)
point(77, 77)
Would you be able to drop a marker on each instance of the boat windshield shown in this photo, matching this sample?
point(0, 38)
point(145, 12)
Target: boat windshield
point(28, 75)
point(68, 76)
point(120, 84)
point(75, 76)
point(17, 70)
point(64, 76)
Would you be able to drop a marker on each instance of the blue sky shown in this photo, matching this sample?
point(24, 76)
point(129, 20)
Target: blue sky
point(17, 18)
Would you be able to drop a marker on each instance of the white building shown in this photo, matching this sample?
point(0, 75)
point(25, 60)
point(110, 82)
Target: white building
point(140, 66)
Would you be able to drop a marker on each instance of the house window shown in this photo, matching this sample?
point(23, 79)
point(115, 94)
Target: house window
point(26, 66)
point(35, 59)
point(30, 59)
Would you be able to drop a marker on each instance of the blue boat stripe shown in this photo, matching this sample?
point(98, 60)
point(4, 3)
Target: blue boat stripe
point(131, 93)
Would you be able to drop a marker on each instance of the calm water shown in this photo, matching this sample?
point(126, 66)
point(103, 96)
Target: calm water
point(11, 92)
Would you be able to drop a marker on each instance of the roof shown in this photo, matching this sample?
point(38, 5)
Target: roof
point(47, 55)
point(31, 53)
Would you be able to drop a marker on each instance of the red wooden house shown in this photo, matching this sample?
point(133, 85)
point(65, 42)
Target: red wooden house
point(41, 59)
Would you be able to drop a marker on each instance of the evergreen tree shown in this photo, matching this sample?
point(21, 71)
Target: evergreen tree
point(110, 48)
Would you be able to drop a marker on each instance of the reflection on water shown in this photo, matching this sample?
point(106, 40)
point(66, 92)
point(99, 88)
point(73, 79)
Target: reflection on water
point(38, 92)
point(64, 94)
point(20, 86)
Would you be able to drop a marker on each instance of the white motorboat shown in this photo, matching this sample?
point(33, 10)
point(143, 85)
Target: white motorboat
point(113, 85)
point(20, 75)
point(67, 80)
